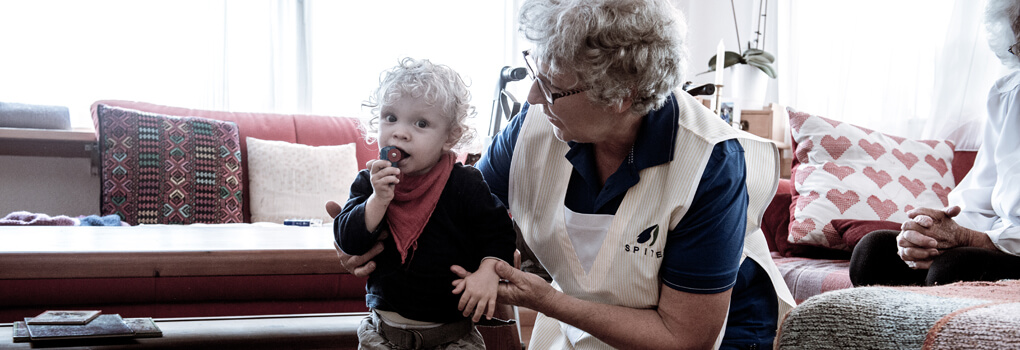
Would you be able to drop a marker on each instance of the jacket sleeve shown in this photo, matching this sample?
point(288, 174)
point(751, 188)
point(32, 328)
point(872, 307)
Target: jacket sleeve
point(349, 229)
point(494, 234)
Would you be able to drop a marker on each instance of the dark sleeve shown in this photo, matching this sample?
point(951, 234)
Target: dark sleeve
point(349, 229)
point(702, 253)
point(495, 163)
point(493, 229)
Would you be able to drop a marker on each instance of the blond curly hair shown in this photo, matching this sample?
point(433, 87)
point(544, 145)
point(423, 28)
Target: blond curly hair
point(435, 84)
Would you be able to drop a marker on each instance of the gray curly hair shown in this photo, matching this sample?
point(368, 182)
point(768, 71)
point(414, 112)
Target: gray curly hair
point(615, 48)
point(437, 84)
point(1002, 21)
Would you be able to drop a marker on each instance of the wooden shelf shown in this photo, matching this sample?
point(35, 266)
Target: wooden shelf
point(75, 143)
point(770, 123)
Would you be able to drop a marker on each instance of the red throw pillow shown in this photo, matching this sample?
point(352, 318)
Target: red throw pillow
point(853, 230)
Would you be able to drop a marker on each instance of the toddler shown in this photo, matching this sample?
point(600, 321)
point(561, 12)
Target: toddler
point(430, 212)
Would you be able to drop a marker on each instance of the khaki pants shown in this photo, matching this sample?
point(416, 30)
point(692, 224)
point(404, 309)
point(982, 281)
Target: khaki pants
point(369, 338)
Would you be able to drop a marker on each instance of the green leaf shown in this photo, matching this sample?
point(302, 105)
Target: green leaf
point(731, 58)
point(761, 53)
point(754, 57)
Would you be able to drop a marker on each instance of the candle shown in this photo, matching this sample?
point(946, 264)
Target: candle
point(720, 57)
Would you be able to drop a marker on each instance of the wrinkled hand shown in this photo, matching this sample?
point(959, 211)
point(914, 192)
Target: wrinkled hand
point(929, 231)
point(359, 265)
point(517, 287)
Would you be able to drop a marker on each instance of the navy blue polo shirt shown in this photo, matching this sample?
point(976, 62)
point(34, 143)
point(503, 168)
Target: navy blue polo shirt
point(702, 253)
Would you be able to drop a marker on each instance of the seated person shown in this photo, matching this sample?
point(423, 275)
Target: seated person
point(977, 238)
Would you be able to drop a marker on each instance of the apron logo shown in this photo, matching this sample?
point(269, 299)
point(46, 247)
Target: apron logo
point(651, 233)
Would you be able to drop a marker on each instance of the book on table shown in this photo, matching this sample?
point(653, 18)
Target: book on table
point(64, 317)
point(21, 332)
point(144, 327)
point(103, 326)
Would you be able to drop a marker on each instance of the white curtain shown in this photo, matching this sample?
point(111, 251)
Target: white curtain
point(72, 53)
point(913, 68)
point(287, 56)
point(353, 42)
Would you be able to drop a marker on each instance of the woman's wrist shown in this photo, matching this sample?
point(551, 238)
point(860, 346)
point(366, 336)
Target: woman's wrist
point(980, 240)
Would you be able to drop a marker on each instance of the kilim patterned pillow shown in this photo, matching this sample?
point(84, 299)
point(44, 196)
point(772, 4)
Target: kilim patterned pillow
point(842, 171)
point(160, 169)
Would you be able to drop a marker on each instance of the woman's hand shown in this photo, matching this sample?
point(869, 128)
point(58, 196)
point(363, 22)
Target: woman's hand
point(359, 265)
point(930, 231)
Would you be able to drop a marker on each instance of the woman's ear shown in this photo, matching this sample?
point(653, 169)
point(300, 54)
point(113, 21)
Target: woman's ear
point(622, 106)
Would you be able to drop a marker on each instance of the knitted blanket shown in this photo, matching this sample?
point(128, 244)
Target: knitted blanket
point(967, 315)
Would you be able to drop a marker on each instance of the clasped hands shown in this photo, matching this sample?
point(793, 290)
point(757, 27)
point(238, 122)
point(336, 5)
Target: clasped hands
point(927, 233)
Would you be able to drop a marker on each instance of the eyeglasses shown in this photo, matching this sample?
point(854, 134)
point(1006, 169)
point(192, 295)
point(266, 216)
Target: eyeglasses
point(1015, 48)
point(549, 96)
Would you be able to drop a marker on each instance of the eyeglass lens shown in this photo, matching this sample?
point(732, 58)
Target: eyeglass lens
point(530, 64)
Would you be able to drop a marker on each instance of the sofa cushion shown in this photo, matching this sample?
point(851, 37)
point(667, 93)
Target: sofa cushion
point(313, 130)
point(842, 171)
point(294, 181)
point(159, 169)
point(807, 277)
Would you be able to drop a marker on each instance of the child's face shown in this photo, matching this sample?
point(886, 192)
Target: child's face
point(420, 131)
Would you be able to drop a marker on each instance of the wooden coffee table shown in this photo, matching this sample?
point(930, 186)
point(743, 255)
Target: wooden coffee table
point(305, 331)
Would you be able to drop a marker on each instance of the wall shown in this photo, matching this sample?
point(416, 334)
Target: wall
point(710, 21)
point(64, 186)
point(50, 185)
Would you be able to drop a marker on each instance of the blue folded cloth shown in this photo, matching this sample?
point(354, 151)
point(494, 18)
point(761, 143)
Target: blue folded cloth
point(20, 115)
point(96, 220)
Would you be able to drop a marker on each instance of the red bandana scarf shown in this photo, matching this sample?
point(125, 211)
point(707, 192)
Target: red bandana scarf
point(414, 200)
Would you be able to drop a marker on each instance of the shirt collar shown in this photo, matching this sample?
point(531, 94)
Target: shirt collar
point(653, 146)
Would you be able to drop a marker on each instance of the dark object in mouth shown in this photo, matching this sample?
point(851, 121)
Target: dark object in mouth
point(391, 154)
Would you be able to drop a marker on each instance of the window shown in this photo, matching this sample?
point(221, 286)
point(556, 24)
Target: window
point(287, 56)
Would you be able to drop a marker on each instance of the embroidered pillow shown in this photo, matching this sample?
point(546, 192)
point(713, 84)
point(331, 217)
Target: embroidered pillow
point(294, 181)
point(160, 169)
point(842, 171)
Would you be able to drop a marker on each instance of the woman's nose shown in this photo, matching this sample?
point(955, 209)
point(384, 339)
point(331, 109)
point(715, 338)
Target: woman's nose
point(535, 95)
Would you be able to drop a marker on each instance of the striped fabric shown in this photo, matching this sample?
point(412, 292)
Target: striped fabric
point(962, 315)
point(538, 182)
point(159, 169)
point(809, 277)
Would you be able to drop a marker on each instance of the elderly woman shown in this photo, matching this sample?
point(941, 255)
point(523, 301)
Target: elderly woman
point(632, 196)
point(977, 238)
point(637, 200)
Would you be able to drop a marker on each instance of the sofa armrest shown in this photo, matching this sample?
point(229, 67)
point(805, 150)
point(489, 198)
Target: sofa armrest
point(776, 221)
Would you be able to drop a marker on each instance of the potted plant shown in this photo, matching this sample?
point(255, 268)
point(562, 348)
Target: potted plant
point(754, 55)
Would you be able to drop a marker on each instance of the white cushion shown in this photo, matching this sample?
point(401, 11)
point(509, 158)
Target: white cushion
point(849, 172)
point(294, 181)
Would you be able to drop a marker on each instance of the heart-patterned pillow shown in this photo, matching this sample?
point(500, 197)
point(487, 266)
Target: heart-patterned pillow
point(842, 171)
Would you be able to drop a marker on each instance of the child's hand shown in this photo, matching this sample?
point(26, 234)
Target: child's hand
point(384, 178)
point(479, 290)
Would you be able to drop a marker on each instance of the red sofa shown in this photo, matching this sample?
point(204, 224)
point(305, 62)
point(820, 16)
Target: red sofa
point(811, 270)
point(195, 270)
point(318, 284)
